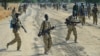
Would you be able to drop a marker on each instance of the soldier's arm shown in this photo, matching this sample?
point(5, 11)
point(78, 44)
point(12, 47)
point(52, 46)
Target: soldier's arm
point(51, 27)
point(98, 11)
point(23, 27)
point(41, 28)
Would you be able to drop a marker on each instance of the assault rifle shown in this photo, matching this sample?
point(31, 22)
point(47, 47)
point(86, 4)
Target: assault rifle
point(69, 22)
point(45, 31)
point(24, 28)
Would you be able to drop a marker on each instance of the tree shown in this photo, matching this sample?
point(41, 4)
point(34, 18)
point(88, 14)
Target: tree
point(4, 4)
point(93, 1)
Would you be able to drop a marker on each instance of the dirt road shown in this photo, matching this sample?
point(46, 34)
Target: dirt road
point(32, 45)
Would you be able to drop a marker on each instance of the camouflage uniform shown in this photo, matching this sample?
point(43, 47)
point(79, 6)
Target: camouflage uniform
point(71, 28)
point(16, 39)
point(46, 36)
point(94, 13)
point(82, 14)
point(75, 10)
point(89, 11)
point(16, 26)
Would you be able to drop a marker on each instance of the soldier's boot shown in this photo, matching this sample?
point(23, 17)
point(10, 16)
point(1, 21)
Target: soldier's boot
point(18, 45)
point(46, 52)
point(46, 48)
point(10, 43)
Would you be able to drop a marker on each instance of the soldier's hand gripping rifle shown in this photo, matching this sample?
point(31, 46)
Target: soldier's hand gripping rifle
point(45, 31)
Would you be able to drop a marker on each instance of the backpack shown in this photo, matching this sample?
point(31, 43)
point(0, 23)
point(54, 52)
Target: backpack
point(15, 24)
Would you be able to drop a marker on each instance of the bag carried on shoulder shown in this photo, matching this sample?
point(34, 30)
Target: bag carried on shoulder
point(14, 24)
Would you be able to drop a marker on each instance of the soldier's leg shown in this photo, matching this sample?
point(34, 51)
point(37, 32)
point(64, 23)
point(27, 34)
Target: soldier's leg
point(96, 20)
point(49, 42)
point(84, 19)
point(13, 41)
point(18, 42)
point(88, 15)
point(81, 17)
point(93, 19)
point(68, 34)
point(75, 34)
point(45, 44)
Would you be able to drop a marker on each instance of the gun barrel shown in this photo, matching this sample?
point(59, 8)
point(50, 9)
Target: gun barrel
point(24, 28)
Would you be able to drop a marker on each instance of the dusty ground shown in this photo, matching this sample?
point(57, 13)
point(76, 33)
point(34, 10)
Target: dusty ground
point(32, 45)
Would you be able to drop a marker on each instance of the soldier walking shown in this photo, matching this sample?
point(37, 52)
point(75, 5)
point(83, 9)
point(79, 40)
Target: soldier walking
point(46, 34)
point(70, 21)
point(16, 24)
point(94, 13)
point(75, 10)
point(89, 10)
point(82, 14)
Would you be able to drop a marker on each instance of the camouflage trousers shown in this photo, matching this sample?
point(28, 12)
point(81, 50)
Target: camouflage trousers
point(89, 14)
point(16, 39)
point(72, 29)
point(47, 42)
point(82, 19)
point(95, 19)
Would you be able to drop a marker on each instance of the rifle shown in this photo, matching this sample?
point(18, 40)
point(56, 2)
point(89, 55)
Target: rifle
point(69, 22)
point(24, 28)
point(45, 31)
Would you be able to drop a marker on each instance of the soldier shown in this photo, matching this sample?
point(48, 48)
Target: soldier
point(82, 14)
point(24, 7)
point(94, 13)
point(75, 10)
point(70, 21)
point(46, 34)
point(16, 24)
point(89, 10)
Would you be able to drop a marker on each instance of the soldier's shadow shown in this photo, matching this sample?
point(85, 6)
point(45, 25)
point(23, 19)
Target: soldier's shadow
point(39, 54)
point(5, 50)
point(54, 44)
point(63, 43)
point(2, 50)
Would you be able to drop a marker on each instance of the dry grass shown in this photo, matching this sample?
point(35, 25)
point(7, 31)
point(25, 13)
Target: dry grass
point(5, 13)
